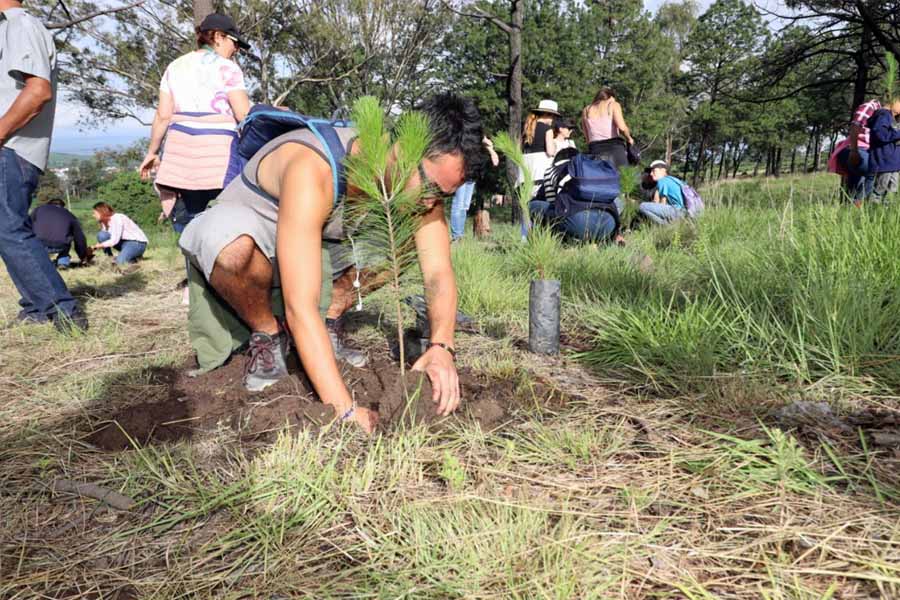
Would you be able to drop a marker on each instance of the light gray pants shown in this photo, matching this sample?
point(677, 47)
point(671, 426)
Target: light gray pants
point(885, 183)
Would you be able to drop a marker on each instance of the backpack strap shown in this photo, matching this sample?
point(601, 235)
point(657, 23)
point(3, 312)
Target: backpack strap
point(327, 136)
point(335, 152)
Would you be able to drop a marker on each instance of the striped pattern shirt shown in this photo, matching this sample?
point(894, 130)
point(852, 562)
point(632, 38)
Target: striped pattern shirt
point(860, 117)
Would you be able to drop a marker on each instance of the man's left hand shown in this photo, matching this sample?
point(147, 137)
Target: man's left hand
point(438, 364)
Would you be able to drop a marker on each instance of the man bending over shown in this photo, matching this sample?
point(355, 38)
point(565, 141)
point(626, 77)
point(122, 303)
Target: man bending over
point(268, 227)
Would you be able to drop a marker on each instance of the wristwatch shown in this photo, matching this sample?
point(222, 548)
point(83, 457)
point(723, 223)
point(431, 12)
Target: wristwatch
point(444, 346)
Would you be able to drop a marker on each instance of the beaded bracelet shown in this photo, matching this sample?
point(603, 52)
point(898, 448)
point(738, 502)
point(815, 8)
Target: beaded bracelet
point(349, 412)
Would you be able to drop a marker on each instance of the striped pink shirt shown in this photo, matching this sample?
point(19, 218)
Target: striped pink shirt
point(860, 117)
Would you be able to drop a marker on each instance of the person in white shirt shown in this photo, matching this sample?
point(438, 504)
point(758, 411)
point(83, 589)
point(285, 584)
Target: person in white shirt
point(119, 232)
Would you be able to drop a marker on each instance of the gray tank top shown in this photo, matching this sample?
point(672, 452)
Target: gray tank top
point(239, 190)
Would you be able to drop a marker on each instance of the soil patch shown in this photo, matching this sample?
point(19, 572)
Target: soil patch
point(175, 406)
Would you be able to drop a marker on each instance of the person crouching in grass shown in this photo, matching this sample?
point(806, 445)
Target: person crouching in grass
point(118, 232)
point(667, 205)
point(267, 229)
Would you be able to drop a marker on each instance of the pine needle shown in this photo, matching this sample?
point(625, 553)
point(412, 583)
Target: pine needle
point(504, 144)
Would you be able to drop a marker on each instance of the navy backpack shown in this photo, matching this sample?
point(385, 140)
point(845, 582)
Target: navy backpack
point(593, 184)
point(592, 180)
point(264, 123)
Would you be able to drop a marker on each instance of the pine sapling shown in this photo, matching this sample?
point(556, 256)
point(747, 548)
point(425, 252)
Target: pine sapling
point(504, 144)
point(385, 214)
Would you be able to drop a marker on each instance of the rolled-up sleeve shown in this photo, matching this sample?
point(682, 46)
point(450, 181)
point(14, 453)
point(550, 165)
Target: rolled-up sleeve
point(29, 54)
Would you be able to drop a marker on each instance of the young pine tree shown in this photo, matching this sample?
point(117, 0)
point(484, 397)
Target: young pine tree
point(385, 215)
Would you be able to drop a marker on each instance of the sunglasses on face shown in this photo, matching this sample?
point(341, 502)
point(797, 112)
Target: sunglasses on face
point(237, 47)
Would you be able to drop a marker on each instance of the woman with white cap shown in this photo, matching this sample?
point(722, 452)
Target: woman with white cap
point(538, 144)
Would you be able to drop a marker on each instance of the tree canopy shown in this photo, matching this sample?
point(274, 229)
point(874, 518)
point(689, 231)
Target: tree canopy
point(716, 92)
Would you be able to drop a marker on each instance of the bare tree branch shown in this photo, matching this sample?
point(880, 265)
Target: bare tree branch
point(330, 79)
point(89, 16)
point(876, 30)
point(480, 14)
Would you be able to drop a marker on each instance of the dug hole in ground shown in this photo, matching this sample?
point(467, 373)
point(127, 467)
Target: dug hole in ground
point(184, 407)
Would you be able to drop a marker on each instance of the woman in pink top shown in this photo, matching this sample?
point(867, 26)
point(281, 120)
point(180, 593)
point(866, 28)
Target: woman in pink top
point(605, 128)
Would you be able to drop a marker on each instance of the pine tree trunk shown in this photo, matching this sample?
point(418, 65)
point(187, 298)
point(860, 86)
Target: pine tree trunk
point(514, 89)
point(737, 163)
point(806, 154)
point(202, 8)
point(756, 166)
point(735, 158)
point(793, 158)
point(722, 161)
point(818, 150)
point(862, 69)
point(698, 166)
point(668, 147)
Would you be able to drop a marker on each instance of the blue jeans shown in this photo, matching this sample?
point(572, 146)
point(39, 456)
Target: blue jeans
point(190, 203)
point(591, 225)
point(129, 250)
point(860, 180)
point(62, 253)
point(460, 208)
point(43, 292)
point(661, 214)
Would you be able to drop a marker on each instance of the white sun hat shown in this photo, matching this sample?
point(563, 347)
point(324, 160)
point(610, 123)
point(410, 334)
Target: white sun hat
point(548, 106)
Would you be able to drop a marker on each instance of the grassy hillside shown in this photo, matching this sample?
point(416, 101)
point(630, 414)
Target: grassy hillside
point(646, 462)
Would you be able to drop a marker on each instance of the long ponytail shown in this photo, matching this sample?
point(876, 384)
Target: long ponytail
point(528, 130)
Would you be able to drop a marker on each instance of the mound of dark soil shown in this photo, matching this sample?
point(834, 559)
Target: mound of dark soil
point(181, 407)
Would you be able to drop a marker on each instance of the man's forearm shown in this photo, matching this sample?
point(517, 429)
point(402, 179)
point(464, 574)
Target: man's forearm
point(314, 348)
point(440, 292)
point(27, 105)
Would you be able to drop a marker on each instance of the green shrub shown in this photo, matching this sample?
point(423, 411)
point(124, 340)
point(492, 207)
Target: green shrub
point(127, 194)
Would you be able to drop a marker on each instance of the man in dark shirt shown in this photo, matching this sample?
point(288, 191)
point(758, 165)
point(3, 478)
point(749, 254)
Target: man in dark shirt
point(58, 229)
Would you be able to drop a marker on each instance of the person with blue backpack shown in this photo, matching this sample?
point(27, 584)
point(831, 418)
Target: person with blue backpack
point(266, 233)
point(668, 204)
point(579, 198)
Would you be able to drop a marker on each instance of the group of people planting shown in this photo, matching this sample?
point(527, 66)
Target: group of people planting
point(579, 194)
point(272, 263)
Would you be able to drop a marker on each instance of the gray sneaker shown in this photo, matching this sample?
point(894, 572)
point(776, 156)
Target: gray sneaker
point(268, 361)
point(351, 356)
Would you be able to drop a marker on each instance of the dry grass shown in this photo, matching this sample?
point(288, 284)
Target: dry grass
point(608, 495)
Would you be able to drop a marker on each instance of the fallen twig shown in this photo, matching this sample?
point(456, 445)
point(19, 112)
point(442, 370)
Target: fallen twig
point(92, 490)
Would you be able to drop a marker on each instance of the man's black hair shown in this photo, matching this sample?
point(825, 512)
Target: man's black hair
point(56, 202)
point(456, 129)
